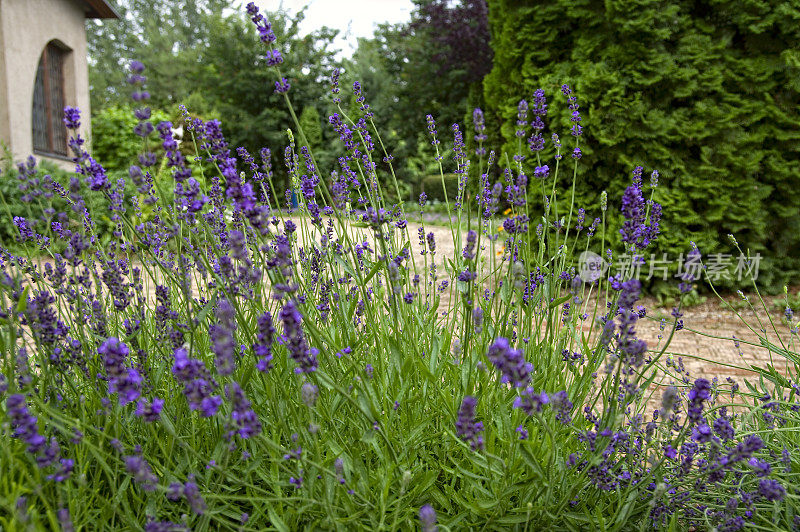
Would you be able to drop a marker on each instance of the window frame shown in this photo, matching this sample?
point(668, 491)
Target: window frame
point(48, 93)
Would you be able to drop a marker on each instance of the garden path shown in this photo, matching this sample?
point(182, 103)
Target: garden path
point(707, 342)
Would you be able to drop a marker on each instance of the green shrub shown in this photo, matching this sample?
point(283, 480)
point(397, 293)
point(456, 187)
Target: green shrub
point(311, 124)
point(33, 202)
point(708, 94)
point(432, 186)
point(113, 145)
point(37, 202)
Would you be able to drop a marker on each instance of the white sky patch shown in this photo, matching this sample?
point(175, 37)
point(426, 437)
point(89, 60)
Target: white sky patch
point(354, 18)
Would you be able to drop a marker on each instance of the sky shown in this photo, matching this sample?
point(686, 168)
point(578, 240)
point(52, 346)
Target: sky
point(354, 18)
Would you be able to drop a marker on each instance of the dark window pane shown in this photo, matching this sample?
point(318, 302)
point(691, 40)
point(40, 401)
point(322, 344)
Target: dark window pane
point(55, 66)
point(49, 133)
point(39, 112)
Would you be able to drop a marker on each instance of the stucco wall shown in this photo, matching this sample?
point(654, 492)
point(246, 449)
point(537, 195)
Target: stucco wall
point(5, 135)
point(26, 26)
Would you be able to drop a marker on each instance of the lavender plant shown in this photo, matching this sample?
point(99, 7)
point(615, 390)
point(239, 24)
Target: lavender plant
point(229, 361)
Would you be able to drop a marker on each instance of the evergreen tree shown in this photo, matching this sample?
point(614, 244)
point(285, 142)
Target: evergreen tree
point(311, 123)
point(705, 92)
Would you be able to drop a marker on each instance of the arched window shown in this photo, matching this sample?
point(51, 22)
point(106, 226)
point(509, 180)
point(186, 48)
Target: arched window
point(49, 133)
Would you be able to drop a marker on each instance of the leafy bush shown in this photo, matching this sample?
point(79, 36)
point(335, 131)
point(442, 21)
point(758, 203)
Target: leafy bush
point(432, 186)
point(25, 201)
point(311, 124)
point(26, 191)
point(675, 86)
point(112, 142)
point(219, 365)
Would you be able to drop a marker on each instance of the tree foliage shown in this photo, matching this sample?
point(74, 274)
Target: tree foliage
point(209, 59)
point(311, 123)
point(113, 142)
point(705, 92)
point(431, 65)
point(172, 37)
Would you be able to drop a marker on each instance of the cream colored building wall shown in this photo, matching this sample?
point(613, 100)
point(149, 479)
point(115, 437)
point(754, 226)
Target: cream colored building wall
point(5, 134)
point(26, 26)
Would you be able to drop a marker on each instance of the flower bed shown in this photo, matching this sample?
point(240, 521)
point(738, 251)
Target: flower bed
point(330, 374)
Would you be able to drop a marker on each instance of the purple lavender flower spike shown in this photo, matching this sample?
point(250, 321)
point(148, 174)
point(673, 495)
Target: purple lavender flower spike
point(562, 406)
point(633, 209)
point(724, 429)
point(282, 86)
point(335, 85)
point(245, 420)
point(136, 67)
point(577, 130)
point(65, 520)
point(198, 384)
point(522, 118)
point(469, 249)
point(64, 470)
point(263, 346)
point(536, 141)
point(771, 489)
point(531, 402)
point(510, 362)
point(427, 519)
point(631, 347)
point(274, 58)
point(636, 231)
point(479, 122)
point(222, 336)
point(700, 392)
point(72, 117)
point(541, 172)
point(24, 424)
point(309, 393)
point(122, 380)
point(141, 472)
point(262, 25)
point(193, 496)
point(296, 344)
point(150, 411)
point(466, 427)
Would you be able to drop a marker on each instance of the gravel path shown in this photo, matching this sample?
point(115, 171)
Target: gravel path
point(706, 344)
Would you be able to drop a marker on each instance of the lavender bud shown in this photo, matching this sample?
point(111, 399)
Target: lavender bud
point(309, 393)
point(668, 400)
point(427, 518)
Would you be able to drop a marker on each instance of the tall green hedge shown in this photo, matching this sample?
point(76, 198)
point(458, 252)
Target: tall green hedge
point(113, 141)
point(431, 185)
point(705, 92)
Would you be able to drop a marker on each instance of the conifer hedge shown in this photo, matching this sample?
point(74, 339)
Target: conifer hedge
point(705, 92)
